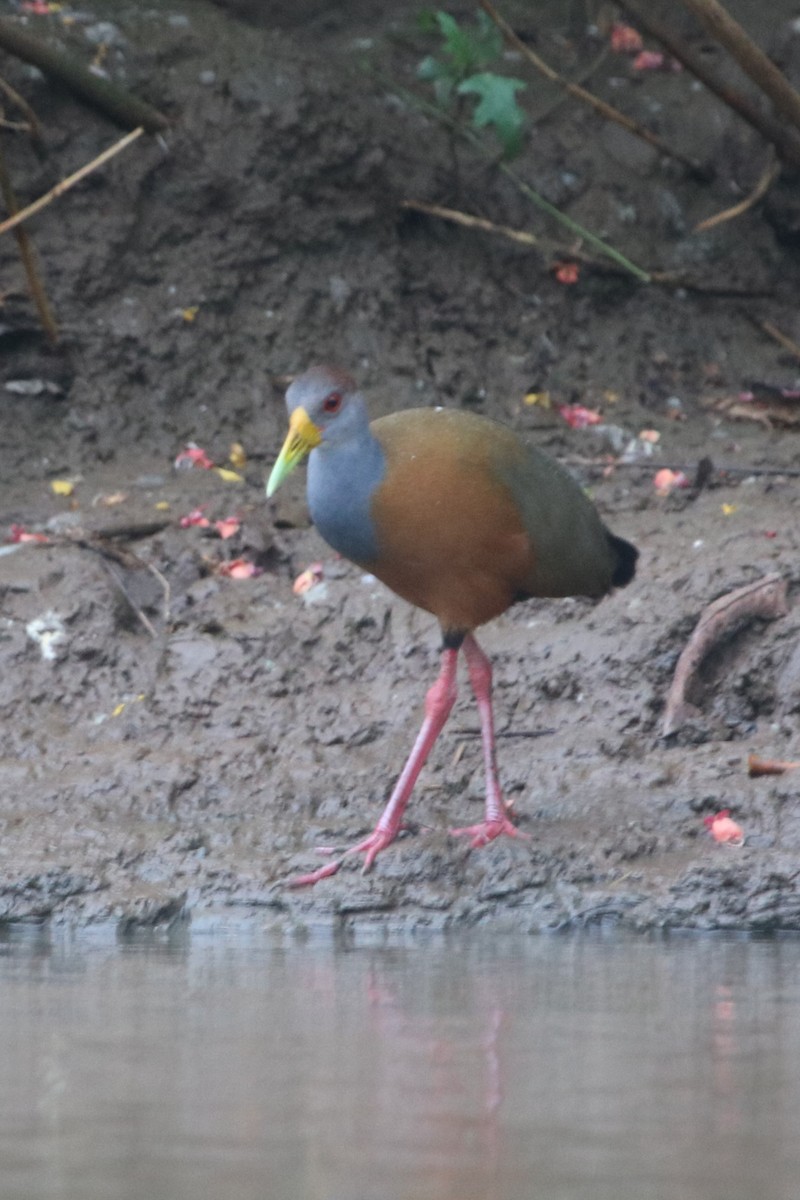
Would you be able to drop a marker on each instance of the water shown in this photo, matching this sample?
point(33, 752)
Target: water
point(564, 1068)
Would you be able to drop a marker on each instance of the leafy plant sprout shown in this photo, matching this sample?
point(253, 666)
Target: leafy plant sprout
point(469, 98)
point(461, 72)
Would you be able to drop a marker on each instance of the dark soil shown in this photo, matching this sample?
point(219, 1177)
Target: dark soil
point(193, 737)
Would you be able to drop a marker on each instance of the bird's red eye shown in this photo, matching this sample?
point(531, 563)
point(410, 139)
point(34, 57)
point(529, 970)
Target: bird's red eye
point(332, 402)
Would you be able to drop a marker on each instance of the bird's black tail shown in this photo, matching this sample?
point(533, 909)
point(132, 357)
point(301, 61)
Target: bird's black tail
point(626, 556)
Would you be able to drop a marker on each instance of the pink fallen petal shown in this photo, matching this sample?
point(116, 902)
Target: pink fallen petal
point(625, 39)
point(578, 417)
point(566, 272)
point(654, 60)
point(195, 517)
point(724, 829)
point(239, 568)
point(228, 527)
point(666, 481)
point(307, 579)
point(193, 456)
point(20, 534)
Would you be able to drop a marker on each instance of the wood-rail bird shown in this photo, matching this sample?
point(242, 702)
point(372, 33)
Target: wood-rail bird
point(458, 515)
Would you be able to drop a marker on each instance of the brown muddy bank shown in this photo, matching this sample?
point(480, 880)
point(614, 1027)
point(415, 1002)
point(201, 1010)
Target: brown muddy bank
point(193, 760)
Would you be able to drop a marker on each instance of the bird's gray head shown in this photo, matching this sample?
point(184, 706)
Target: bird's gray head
point(325, 409)
point(331, 400)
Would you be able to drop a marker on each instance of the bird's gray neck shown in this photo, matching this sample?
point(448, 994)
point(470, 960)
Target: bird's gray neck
point(342, 477)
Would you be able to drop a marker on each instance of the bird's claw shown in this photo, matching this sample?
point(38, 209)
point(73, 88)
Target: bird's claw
point(480, 835)
point(486, 831)
point(370, 847)
point(314, 876)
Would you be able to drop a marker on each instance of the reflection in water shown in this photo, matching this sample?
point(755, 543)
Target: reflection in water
point(566, 1068)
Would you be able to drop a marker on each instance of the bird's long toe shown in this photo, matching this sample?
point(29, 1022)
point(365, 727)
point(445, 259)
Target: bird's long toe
point(299, 881)
point(486, 831)
point(370, 847)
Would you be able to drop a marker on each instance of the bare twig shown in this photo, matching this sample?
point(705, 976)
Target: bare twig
point(32, 121)
point(471, 222)
point(766, 598)
point(154, 571)
point(26, 253)
point(768, 177)
point(117, 103)
point(621, 260)
point(750, 57)
point(785, 141)
point(141, 615)
point(87, 539)
point(768, 766)
point(104, 544)
point(65, 184)
point(762, 402)
point(772, 331)
point(580, 93)
point(131, 533)
point(666, 279)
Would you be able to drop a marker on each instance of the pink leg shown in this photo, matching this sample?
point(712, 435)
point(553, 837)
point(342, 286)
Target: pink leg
point(496, 821)
point(438, 703)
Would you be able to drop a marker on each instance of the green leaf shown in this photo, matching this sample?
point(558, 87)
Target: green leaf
point(488, 40)
point(497, 107)
point(469, 49)
point(458, 44)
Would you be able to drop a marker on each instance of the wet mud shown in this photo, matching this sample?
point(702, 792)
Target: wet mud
point(176, 740)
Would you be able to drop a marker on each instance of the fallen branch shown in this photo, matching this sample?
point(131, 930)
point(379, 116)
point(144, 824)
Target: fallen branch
point(28, 257)
point(14, 126)
point(772, 331)
point(762, 402)
point(167, 590)
point(768, 766)
point(32, 125)
point(105, 539)
point(750, 57)
point(131, 533)
point(139, 612)
point(117, 103)
point(580, 93)
point(785, 141)
point(70, 181)
point(765, 598)
point(665, 279)
point(103, 542)
point(471, 222)
point(768, 177)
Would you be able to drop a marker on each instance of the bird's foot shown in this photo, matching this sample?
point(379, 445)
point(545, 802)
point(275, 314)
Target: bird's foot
point(487, 830)
point(370, 847)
